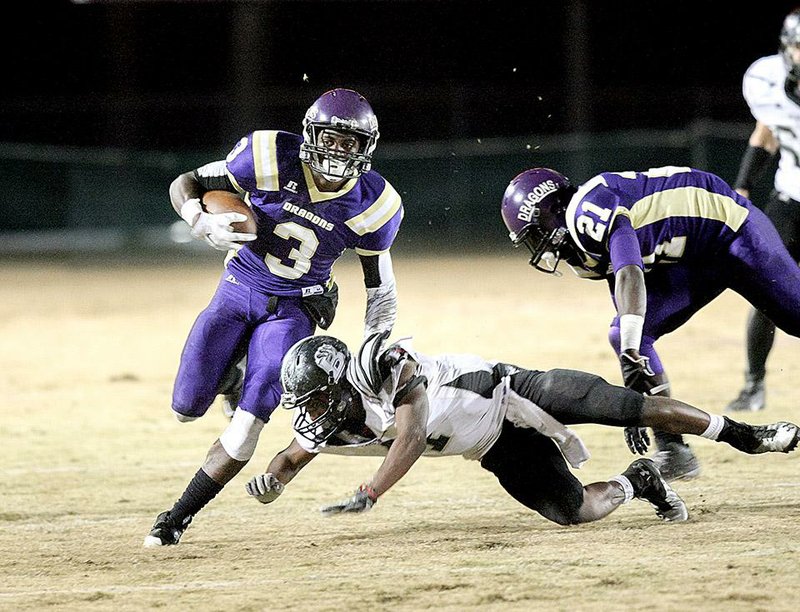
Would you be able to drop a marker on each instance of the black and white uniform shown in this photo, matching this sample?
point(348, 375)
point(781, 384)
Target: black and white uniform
point(764, 89)
point(510, 419)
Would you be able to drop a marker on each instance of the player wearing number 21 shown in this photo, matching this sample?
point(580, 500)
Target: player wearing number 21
point(668, 241)
point(313, 196)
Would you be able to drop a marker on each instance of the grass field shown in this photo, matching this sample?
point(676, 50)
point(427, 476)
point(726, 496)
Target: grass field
point(91, 453)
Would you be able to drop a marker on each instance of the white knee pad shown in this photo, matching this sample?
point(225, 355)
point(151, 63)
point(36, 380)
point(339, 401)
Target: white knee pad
point(183, 418)
point(240, 437)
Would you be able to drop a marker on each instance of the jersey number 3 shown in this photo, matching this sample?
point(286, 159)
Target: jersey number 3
point(301, 256)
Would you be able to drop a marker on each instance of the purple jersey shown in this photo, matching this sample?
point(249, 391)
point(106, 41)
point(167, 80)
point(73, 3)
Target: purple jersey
point(302, 231)
point(694, 237)
point(661, 216)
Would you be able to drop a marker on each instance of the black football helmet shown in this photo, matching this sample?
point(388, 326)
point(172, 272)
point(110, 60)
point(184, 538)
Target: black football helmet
point(533, 209)
point(313, 379)
point(790, 37)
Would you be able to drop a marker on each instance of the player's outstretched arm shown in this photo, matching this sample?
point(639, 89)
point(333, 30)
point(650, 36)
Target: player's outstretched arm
point(411, 418)
point(284, 466)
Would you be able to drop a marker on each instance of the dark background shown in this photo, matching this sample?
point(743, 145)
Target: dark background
point(104, 102)
point(155, 75)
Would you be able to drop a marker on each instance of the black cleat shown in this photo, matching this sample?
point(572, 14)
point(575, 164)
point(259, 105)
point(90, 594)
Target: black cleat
point(650, 486)
point(676, 462)
point(751, 398)
point(165, 531)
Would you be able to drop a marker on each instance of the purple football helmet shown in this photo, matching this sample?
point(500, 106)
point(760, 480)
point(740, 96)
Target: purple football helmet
point(533, 211)
point(344, 111)
point(790, 37)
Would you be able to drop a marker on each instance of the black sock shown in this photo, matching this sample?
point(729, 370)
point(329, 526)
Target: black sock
point(760, 337)
point(201, 490)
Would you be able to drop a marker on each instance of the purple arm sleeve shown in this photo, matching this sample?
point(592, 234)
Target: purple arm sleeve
point(623, 245)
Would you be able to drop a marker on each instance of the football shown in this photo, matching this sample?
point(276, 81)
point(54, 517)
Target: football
point(218, 201)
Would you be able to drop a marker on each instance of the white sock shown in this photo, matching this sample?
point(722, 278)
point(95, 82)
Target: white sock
point(627, 487)
point(715, 426)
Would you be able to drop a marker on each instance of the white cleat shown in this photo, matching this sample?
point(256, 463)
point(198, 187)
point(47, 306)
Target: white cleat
point(780, 437)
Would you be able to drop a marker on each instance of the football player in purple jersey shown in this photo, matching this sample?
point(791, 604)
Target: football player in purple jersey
point(667, 241)
point(313, 195)
point(400, 404)
point(772, 92)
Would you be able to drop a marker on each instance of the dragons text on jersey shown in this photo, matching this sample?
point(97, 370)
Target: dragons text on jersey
point(302, 231)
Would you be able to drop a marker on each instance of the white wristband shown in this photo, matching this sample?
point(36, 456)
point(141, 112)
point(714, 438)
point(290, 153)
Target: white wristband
point(190, 209)
point(630, 331)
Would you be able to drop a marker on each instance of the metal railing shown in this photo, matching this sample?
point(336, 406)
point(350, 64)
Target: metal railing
point(451, 189)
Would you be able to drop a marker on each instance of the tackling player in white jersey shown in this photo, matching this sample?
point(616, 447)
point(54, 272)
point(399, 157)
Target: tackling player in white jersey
point(771, 89)
point(395, 402)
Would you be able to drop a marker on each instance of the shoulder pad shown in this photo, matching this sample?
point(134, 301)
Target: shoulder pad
point(363, 370)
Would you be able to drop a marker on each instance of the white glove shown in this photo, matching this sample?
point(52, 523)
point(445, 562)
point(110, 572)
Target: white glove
point(216, 230)
point(264, 487)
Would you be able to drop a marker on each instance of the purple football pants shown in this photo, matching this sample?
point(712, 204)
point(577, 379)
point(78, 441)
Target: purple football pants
point(239, 319)
point(756, 265)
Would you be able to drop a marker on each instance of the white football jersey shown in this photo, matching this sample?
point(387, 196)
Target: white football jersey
point(460, 421)
point(763, 88)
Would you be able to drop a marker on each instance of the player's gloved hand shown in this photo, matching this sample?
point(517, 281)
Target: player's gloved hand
point(637, 439)
point(362, 501)
point(636, 371)
point(216, 230)
point(264, 487)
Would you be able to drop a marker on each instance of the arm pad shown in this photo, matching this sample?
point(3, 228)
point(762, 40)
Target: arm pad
point(753, 163)
point(381, 309)
point(381, 294)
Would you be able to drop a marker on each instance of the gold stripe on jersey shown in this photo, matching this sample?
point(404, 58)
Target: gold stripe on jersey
point(368, 253)
point(265, 160)
point(686, 202)
point(320, 196)
point(233, 181)
point(376, 216)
